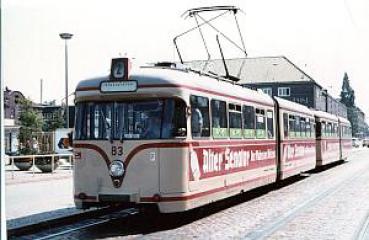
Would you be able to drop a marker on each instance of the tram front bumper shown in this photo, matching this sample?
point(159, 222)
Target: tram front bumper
point(117, 198)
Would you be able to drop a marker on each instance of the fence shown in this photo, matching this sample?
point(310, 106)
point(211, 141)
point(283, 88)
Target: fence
point(69, 155)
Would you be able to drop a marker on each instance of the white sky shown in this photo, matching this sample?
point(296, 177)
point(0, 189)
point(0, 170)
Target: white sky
point(324, 37)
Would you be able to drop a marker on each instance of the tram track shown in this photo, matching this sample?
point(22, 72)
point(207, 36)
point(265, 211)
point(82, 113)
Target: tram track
point(90, 223)
point(266, 230)
point(143, 223)
point(363, 233)
point(61, 226)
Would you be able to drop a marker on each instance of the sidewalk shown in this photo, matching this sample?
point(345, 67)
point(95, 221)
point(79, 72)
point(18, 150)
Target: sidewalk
point(36, 197)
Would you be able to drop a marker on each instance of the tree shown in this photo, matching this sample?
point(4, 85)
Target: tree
point(347, 93)
point(52, 124)
point(30, 122)
point(348, 98)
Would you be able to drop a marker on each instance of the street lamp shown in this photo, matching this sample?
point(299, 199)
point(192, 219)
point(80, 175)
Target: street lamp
point(66, 37)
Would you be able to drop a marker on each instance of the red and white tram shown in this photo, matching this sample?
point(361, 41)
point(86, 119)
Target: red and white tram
point(327, 138)
point(182, 139)
point(345, 137)
point(297, 138)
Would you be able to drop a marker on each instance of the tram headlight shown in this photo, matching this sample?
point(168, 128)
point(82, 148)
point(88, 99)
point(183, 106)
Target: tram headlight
point(116, 168)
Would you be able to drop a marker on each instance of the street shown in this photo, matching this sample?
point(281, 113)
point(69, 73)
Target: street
point(329, 204)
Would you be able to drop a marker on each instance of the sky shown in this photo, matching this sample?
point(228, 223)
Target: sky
point(325, 38)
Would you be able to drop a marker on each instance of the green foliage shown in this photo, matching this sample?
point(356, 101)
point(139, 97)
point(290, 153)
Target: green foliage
point(30, 122)
point(52, 124)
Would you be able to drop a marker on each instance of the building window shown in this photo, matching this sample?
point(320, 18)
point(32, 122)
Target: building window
point(284, 91)
point(267, 91)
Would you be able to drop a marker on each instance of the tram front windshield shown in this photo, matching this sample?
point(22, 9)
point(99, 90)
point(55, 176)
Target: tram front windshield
point(156, 119)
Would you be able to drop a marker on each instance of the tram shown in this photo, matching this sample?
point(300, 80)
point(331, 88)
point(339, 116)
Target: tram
point(175, 138)
point(345, 136)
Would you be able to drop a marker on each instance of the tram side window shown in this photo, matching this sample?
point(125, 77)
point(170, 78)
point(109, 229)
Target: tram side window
point(200, 124)
point(297, 127)
point(335, 130)
point(270, 125)
point(307, 128)
point(329, 129)
point(312, 124)
point(291, 123)
point(235, 121)
point(174, 124)
point(343, 133)
point(248, 113)
point(302, 127)
point(285, 125)
point(219, 119)
point(179, 119)
point(323, 131)
point(260, 123)
point(319, 129)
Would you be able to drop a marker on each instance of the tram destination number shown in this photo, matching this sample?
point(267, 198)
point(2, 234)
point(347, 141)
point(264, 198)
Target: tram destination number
point(117, 150)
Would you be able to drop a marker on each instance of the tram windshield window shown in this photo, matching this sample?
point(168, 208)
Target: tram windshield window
point(130, 120)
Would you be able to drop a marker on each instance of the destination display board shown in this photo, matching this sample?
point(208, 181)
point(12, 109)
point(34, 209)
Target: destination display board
point(118, 86)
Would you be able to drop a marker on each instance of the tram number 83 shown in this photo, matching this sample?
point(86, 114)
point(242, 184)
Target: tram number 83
point(117, 150)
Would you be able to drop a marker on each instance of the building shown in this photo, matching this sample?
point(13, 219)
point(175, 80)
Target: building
point(11, 132)
point(12, 110)
point(276, 76)
point(359, 126)
point(12, 103)
point(51, 113)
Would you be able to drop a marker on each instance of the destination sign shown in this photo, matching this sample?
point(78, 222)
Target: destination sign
point(118, 86)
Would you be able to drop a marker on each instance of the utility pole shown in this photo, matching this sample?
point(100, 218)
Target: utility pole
point(41, 81)
point(66, 37)
point(2, 155)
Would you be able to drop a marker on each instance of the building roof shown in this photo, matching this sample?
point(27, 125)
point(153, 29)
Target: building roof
point(256, 70)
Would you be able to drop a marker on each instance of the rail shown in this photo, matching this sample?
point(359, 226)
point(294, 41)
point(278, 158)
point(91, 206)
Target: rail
point(69, 155)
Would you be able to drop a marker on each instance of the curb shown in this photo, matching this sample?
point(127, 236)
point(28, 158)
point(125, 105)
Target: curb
point(56, 222)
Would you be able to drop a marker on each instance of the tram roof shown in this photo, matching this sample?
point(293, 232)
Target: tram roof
point(186, 79)
point(293, 106)
point(344, 120)
point(326, 115)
